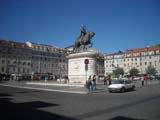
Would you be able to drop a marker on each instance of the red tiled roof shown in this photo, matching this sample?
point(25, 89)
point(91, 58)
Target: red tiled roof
point(8, 42)
point(137, 50)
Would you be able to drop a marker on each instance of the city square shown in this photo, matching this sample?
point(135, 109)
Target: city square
point(27, 102)
point(79, 60)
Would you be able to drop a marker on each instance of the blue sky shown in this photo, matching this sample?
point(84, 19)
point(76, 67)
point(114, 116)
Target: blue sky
point(118, 24)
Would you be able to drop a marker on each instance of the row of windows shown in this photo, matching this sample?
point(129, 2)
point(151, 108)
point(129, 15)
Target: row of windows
point(47, 54)
point(142, 54)
point(15, 69)
point(132, 59)
point(18, 62)
point(39, 59)
point(155, 63)
point(29, 53)
point(24, 57)
point(15, 62)
point(5, 50)
point(148, 53)
point(44, 65)
point(45, 48)
point(26, 53)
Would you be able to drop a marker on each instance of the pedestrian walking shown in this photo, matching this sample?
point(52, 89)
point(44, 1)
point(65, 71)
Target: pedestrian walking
point(94, 82)
point(105, 81)
point(142, 81)
point(145, 78)
point(109, 80)
point(89, 85)
point(87, 82)
point(46, 78)
point(67, 79)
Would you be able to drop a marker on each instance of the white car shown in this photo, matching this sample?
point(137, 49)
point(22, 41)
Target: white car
point(121, 86)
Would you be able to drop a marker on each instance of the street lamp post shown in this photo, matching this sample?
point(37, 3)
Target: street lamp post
point(86, 62)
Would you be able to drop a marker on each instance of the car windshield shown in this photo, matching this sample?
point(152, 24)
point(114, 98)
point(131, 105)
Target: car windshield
point(118, 82)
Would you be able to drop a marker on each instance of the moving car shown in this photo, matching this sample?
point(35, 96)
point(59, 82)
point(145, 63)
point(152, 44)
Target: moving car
point(121, 86)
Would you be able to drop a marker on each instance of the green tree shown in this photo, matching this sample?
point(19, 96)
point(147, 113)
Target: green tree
point(151, 70)
point(134, 71)
point(118, 71)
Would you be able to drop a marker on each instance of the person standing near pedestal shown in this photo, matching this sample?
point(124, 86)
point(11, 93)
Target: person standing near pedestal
point(89, 84)
point(46, 78)
point(109, 80)
point(94, 82)
point(142, 81)
point(105, 81)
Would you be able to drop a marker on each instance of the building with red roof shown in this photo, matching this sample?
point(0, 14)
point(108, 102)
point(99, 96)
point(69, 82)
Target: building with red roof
point(139, 58)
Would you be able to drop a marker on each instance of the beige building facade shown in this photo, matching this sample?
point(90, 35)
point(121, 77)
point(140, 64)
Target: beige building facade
point(112, 61)
point(48, 60)
point(25, 60)
point(15, 59)
point(139, 58)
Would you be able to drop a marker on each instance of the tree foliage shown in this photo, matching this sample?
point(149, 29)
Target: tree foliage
point(118, 71)
point(134, 71)
point(151, 70)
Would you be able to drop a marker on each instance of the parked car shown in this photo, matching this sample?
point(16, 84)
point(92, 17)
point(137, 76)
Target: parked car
point(121, 86)
point(4, 77)
point(157, 77)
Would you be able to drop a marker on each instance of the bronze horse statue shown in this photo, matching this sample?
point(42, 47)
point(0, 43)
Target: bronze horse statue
point(84, 39)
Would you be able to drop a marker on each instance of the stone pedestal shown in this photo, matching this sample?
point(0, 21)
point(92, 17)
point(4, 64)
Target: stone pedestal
point(76, 67)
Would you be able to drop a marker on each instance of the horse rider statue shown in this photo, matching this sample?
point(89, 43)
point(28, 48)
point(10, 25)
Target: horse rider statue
point(83, 40)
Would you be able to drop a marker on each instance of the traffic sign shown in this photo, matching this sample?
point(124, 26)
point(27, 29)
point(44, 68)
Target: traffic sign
point(86, 61)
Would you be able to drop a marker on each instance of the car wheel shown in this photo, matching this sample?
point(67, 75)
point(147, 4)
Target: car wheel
point(110, 91)
point(123, 89)
point(133, 87)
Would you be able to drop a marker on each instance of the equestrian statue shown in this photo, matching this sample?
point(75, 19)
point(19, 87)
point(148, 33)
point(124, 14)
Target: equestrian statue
point(83, 40)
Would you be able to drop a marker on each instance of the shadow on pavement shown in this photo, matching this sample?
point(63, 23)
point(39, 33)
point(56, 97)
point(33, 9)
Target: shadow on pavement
point(124, 118)
point(26, 110)
point(27, 91)
point(116, 108)
point(4, 95)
